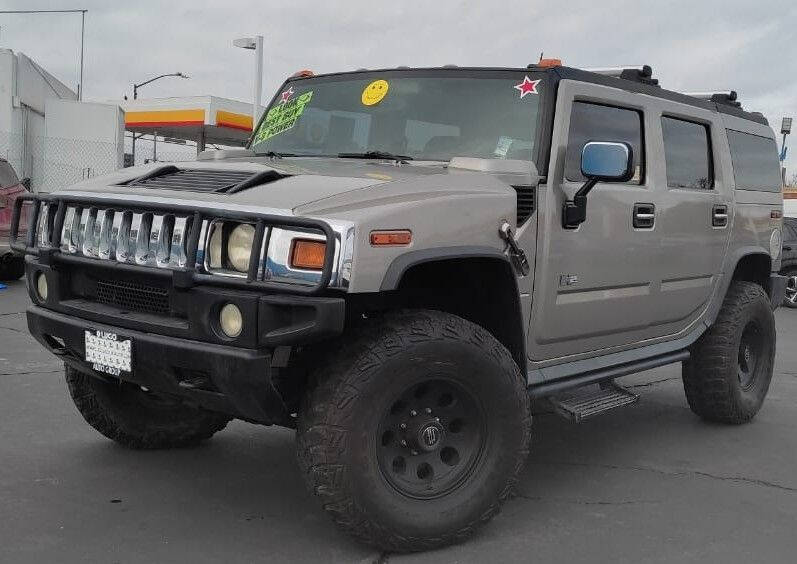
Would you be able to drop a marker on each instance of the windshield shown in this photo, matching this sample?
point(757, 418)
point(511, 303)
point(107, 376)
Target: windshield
point(423, 115)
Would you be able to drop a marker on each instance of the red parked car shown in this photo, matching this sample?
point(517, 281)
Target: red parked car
point(12, 266)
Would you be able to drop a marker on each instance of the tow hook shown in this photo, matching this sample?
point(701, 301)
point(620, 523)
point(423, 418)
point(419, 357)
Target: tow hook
point(516, 254)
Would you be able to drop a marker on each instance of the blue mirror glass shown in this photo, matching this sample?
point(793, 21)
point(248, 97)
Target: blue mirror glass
point(607, 161)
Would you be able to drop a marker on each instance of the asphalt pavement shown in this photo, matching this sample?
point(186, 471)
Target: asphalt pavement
point(646, 483)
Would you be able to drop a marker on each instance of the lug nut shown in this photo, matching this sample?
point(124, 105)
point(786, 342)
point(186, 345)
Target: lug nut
point(437, 420)
point(413, 413)
point(428, 410)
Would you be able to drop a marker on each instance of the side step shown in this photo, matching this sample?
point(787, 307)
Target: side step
point(590, 401)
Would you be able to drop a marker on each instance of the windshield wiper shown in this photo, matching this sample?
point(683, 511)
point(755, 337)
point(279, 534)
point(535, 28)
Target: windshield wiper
point(375, 155)
point(275, 155)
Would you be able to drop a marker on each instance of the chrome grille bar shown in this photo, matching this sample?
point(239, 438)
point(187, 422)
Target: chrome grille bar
point(149, 239)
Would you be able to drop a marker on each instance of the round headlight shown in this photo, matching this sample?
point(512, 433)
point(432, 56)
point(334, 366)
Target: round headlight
point(231, 321)
point(239, 246)
point(41, 286)
point(214, 250)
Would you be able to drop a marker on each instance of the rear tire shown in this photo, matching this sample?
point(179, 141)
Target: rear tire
point(466, 421)
point(790, 299)
point(139, 419)
point(730, 369)
point(11, 268)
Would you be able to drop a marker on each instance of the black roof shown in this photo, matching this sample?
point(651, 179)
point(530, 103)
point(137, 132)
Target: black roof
point(569, 73)
point(645, 86)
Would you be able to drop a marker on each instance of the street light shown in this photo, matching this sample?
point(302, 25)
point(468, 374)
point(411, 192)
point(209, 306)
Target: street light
point(135, 97)
point(255, 43)
point(82, 34)
point(140, 84)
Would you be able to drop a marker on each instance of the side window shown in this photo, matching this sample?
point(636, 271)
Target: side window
point(594, 122)
point(790, 231)
point(687, 154)
point(755, 162)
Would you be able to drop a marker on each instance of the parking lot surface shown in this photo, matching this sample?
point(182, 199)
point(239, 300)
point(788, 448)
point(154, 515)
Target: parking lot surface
point(647, 483)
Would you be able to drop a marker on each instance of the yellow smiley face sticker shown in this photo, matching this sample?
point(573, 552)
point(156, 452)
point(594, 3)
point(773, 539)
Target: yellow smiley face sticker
point(375, 92)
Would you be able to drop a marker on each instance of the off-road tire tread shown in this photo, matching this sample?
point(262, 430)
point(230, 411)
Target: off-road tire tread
point(187, 427)
point(708, 392)
point(320, 440)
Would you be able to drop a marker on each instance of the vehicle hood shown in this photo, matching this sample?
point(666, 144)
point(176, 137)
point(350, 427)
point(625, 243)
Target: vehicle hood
point(310, 186)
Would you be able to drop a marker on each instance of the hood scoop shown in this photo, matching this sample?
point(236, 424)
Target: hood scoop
point(170, 177)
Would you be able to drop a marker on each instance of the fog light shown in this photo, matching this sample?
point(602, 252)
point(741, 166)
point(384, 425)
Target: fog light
point(41, 286)
point(231, 320)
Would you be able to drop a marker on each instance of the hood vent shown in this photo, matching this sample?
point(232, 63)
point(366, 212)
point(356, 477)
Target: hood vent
point(203, 180)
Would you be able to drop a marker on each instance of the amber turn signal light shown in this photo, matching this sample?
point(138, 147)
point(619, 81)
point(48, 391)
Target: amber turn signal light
point(308, 254)
point(388, 238)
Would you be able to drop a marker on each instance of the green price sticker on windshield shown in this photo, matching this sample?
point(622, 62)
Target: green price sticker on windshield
point(282, 117)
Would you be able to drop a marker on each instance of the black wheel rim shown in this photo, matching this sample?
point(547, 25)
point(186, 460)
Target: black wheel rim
point(750, 354)
point(791, 290)
point(430, 439)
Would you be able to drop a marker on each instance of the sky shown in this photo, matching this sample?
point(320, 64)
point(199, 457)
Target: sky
point(693, 45)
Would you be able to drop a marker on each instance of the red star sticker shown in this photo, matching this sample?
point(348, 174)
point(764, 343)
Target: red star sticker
point(528, 86)
point(285, 96)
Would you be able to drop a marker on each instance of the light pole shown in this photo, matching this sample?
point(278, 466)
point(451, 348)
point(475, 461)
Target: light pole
point(785, 129)
point(255, 43)
point(135, 97)
point(82, 34)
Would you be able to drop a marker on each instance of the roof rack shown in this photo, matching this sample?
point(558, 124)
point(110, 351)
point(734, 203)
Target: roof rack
point(727, 97)
point(635, 73)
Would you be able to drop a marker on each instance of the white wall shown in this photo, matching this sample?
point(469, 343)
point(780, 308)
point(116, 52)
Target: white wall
point(80, 140)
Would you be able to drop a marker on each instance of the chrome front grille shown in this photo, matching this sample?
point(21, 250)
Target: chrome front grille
point(147, 239)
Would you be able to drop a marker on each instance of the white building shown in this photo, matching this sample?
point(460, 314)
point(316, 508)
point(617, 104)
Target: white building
point(25, 88)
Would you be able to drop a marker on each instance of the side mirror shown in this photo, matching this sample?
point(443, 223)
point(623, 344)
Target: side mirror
point(601, 161)
point(26, 183)
point(607, 162)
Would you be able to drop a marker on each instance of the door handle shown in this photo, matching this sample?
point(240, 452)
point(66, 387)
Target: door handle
point(644, 216)
point(719, 215)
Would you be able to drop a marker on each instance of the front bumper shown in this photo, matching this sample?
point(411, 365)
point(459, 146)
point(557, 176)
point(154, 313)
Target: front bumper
point(231, 380)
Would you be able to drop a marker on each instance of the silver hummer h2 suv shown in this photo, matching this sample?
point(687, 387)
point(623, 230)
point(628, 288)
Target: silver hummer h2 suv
point(402, 260)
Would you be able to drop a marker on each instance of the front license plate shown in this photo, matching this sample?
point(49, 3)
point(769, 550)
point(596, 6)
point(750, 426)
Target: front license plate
point(109, 352)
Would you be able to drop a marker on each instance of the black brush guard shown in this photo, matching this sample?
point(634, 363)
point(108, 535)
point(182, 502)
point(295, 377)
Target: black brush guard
point(181, 277)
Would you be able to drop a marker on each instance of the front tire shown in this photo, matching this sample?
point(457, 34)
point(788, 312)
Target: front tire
point(415, 430)
point(138, 419)
point(728, 374)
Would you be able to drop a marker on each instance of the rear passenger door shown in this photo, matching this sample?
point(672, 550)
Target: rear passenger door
point(695, 213)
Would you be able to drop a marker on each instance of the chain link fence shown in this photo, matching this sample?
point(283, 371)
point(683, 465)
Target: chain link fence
point(51, 163)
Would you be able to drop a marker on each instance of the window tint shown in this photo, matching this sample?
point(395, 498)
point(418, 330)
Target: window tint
point(790, 230)
point(687, 154)
point(7, 175)
point(755, 162)
point(593, 122)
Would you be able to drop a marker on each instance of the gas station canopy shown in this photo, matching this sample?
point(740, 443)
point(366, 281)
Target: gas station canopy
point(204, 119)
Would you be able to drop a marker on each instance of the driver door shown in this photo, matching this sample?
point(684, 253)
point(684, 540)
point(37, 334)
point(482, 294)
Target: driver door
point(593, 284)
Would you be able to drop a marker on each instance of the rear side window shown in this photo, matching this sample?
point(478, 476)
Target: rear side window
point(755, 162)
point(7, 175)
point(594, 122)
point(687, 154)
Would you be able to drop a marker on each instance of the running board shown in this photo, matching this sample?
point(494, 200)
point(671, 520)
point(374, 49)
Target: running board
point(590, 401)
point(553, 387)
